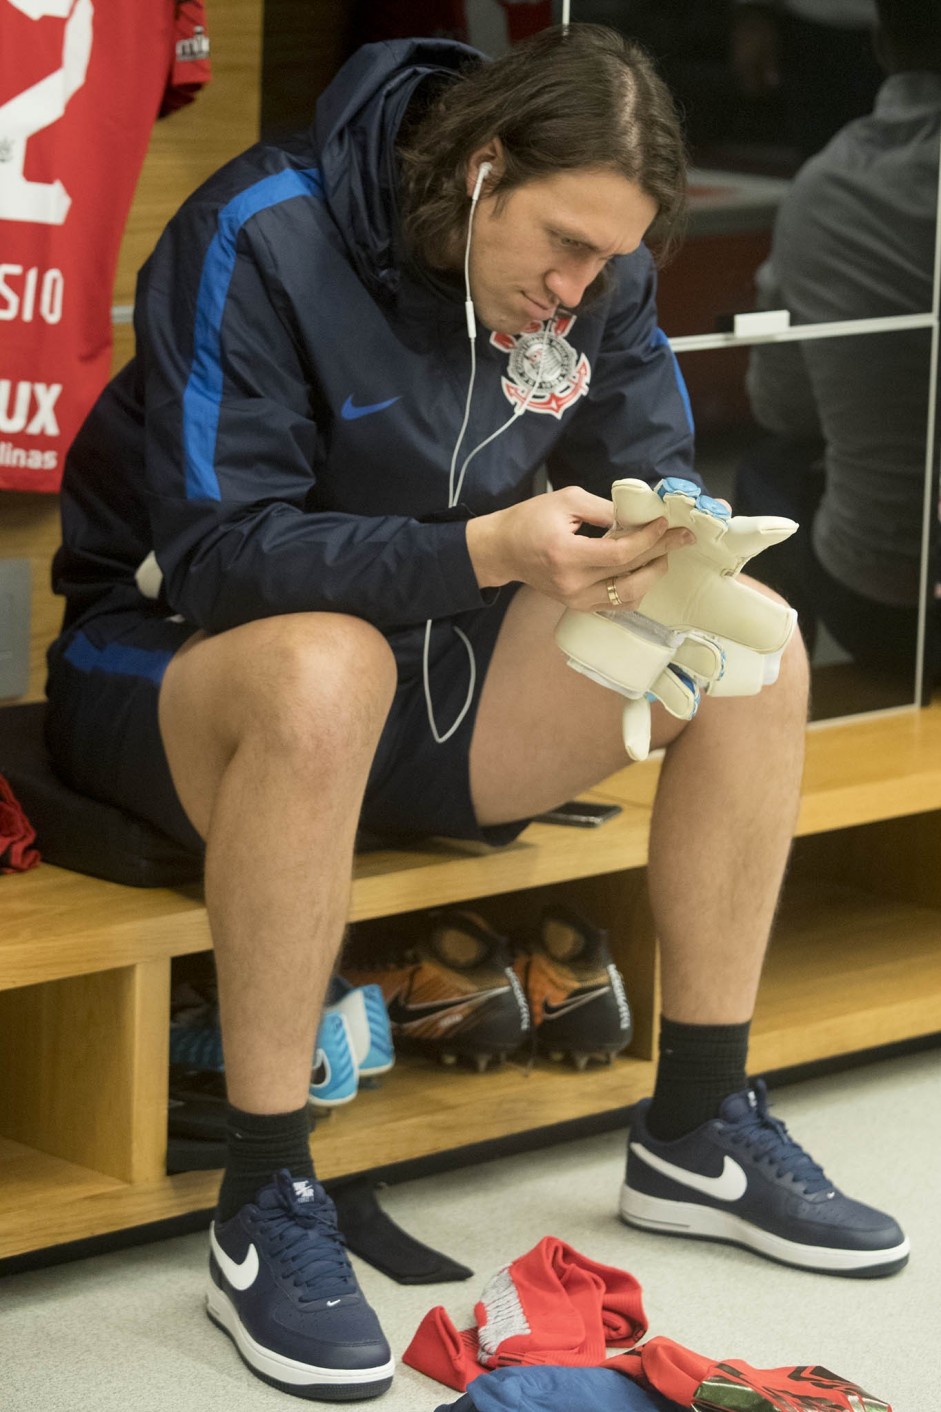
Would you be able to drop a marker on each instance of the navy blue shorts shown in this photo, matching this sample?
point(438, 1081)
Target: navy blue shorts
point(103, 734)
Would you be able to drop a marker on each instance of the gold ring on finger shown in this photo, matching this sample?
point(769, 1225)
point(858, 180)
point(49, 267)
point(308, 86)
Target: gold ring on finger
point(614, 597)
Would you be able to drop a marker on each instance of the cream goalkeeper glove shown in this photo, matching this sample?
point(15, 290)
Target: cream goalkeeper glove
point(698, 629)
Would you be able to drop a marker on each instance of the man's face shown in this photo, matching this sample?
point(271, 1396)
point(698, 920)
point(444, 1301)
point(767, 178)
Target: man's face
point(548, 240)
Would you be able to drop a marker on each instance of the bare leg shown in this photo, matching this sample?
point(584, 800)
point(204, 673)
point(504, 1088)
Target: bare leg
point(723, 820)
point(270, 731)
point(720, 836)
point(725, 810)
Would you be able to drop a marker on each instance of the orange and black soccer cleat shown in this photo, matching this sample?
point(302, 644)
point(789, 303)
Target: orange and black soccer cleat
point(574, 990)
point(451, 991)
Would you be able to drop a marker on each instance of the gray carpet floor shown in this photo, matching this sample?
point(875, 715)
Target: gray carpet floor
point(126, 1332)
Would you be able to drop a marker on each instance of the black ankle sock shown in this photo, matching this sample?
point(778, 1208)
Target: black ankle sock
point(699, 1066)
point(257, 1146)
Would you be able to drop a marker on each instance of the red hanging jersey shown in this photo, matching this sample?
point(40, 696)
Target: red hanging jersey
point(81, 82)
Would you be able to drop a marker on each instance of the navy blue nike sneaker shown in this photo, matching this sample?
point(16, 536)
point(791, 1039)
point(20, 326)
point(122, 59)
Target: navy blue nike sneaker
point(741, 1178)
point(282, 1287)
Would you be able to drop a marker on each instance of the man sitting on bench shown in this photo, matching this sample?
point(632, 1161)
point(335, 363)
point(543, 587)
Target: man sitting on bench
point(309, 587)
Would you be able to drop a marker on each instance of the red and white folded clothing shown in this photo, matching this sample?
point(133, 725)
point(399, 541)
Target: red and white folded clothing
point(554, 1306)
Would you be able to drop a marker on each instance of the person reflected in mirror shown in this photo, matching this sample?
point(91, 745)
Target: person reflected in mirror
point(847, 417)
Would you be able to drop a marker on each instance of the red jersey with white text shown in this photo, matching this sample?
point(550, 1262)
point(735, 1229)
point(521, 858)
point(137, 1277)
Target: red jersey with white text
point(81, 83)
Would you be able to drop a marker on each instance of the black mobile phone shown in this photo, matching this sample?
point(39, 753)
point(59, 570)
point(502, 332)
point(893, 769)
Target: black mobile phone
point(580, 814)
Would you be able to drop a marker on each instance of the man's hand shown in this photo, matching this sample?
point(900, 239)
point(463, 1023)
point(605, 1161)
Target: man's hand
point(537, 542)
point(700, 629)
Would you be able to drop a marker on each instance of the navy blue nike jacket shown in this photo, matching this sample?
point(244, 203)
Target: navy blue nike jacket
point(282, 440)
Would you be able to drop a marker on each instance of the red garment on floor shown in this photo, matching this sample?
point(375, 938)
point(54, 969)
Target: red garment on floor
point(660, 1365)
point(16, 834)
point(556, 1306)
point(552, 1305)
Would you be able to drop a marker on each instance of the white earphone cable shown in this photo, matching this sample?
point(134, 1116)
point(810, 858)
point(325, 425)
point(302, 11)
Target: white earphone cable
point(454, 490)
point(483, 171)
point(518, 411)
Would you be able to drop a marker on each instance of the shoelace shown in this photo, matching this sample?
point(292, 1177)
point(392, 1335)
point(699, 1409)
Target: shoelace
point(309, 1248)
point(769, 1141)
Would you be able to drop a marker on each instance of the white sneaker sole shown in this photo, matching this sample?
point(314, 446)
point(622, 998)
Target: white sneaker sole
point(288, 1373)
point(656, 1213)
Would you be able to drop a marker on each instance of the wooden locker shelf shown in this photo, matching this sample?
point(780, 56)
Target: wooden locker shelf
point(855, 962)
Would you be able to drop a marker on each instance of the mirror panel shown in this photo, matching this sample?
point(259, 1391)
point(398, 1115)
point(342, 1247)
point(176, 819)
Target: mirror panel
point(831, 432)
point(763, 90)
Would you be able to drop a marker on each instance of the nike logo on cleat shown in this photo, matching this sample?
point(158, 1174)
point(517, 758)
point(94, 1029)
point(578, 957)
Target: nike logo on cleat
point(403, 1013)
point(572, 1001)
point(730, 1185)
point(350, 413)
point(240, 1274)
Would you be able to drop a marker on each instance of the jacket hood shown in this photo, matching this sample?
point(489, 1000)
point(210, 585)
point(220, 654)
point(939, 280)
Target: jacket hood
point(355, 128)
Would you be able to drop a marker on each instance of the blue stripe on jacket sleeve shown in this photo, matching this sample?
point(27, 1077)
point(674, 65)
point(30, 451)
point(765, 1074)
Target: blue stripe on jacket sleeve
point(202, 396)
point(659, 341)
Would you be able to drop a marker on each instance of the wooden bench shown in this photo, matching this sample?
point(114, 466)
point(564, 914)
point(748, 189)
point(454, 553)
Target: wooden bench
point(85, 969)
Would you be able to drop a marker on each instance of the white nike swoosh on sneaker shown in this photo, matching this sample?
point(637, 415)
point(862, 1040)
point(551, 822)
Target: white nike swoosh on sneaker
point(730, 1185)
point(240, 1275)
point(331, 1303)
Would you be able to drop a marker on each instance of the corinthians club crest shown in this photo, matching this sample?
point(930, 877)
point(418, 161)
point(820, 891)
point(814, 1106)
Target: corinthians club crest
point(559, 374)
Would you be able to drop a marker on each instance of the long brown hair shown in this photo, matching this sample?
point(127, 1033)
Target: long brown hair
point(563, 100)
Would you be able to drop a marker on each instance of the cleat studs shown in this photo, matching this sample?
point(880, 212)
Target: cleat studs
point(481, 1061)
point(556, 1056)
point(580, 1061)
point(448, 1059)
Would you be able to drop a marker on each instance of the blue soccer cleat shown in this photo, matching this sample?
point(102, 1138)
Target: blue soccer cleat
point(334, 1078)
point(364, 1008)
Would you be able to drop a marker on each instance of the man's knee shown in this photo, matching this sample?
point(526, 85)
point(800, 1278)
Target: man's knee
point(304, 682)
point(332, 670)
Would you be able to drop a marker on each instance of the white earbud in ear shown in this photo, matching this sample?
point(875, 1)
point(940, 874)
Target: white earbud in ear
point(483, 171)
